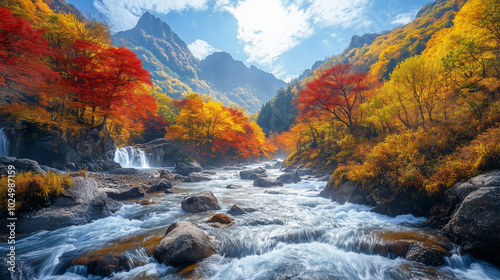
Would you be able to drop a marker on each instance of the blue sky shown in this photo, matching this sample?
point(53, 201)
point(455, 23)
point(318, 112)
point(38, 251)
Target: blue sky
point(279, 36)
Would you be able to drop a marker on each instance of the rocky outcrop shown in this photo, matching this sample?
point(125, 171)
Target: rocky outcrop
point(21, 164)
point(92, 149)
point(200, 202)
point(475, 223)
point(186, 165)
point(347, 192)
point(184, 244)
point(253, 174)
point(80, 204)
point(266, 183)
point(289, 177)
point(160, 152)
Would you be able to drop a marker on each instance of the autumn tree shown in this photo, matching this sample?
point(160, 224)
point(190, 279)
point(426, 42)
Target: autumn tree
point(106, 78)
point(23, 52)
point(335, 94)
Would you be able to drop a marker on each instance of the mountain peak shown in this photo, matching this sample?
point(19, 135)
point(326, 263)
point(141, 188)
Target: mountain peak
point(154, 26)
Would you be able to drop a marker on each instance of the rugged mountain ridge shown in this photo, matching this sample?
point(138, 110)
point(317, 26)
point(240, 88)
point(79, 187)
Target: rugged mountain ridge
point(176, 71)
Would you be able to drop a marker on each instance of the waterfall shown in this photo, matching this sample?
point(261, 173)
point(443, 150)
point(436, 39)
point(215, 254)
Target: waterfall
point(4, 143)
point(131, 157)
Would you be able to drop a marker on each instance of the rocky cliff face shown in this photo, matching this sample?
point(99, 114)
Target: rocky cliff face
point(92, 148)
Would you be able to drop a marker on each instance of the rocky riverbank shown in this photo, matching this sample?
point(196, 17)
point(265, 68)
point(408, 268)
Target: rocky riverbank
point(468, 215)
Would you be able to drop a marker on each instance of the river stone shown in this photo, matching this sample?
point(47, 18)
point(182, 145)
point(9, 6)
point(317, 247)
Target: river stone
point(253, 174)
point(198, 177)
point(185, 166)
point(347, 192)
point(266, 183)
point(233, 187)
point(289, 177)
point(21, 271)
point(236, 210)
point(125, 193)
point(475, 225)
point(200, 202)
point(184, 244)
point(82, 190)
point(161, 185)
point(419, 252)
point(220, 218)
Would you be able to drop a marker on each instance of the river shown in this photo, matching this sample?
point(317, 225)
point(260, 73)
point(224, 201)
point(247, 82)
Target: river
point(294, 234)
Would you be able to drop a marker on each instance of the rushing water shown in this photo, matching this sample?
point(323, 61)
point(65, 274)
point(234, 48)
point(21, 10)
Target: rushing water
point(294, 234)
point(131, 157)
point(4, 143)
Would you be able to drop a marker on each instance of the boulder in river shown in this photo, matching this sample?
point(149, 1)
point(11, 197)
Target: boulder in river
point(200, 202)
point(184, 244)
point(186, 165)
point(233, 187)
point(161, 185)
point(347, 192)
point(125, 193)
point(289, 177)
point(475, 224)
point(266, 183)
point(220, 218)
point(236, 210)
point(253, 174)
point(198, 177)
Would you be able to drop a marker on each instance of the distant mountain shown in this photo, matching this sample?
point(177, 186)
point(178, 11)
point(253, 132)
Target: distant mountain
point(176, 71)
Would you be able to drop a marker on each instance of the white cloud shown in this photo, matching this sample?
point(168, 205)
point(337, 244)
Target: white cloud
point(201, 49)
point(269, 28)
point(123, 14)
point(341, 13)
point(404, 18)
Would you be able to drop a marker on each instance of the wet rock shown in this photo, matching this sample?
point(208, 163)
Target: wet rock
point(419, 252)
point(475, 225)
point(21, 271)
point(289, 177)
point(160, 152)
point(186, 165)
point(305, 171)
point(149, 174)
point(277, 165)
point(82, 190)
point(124, 171)
point(184, 244)
point(209, 172)
point(179, 177)
point(125, 193)
point(233, 187)
point(105, 265)
point(220, 218)
point(253, 174)
point(235, 210)
point(347, 192)
point(198, 177)
point(161, 185)
point(266, 183)
point(21, 164)
point(55, 216)
point(268, 166)
point(324, 178)
point(200, 202)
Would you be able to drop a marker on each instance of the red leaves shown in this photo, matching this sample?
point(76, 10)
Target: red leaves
point(22, 53)
point(108, 79)
point(336, 93)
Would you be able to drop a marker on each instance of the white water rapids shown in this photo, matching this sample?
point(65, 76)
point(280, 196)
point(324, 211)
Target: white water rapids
point(294, 234)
